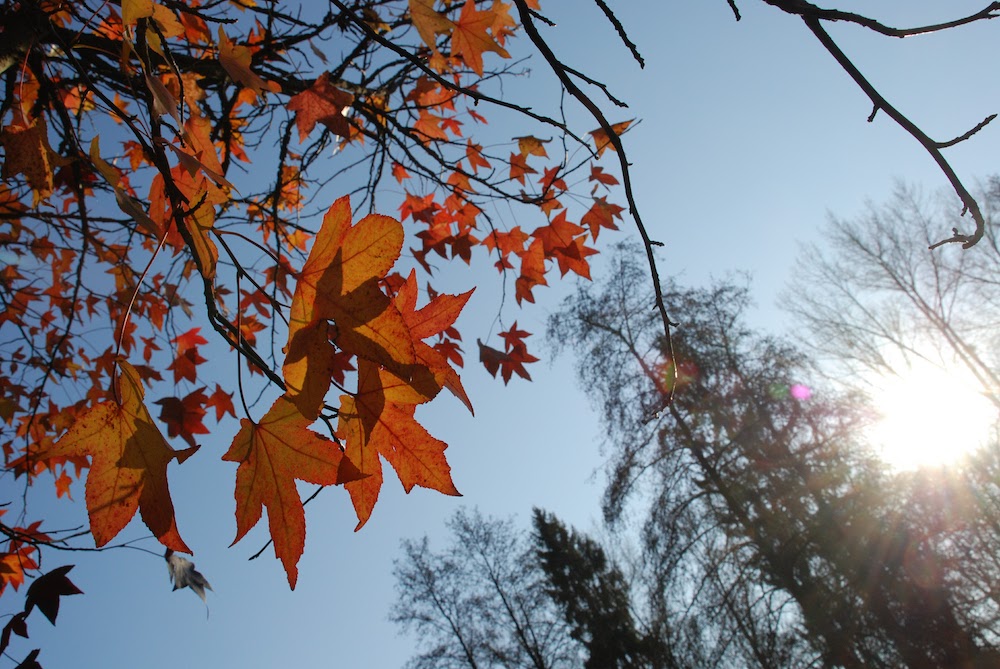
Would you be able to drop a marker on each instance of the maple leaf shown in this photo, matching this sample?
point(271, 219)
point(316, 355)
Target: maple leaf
point(428, 127)
point(16, 625)
point(133, 10)
point(13, 565)
point(532, 146)
point(185, 365)
point(598, 174)
point(190, 339)
point(512, 360)
point(30, 661)
point(474, 152)
point(574, 258)
point(399, 172)
point(339, 282)
point(428, 22)
point(272, 454)
point(63, 482)
point(222, 401)
point(469, 38)
point(433, 371)
point(235, 60)
point(601, 215)
point(379, 421)
point(519, 167)
point(532, 271)
point(323, 103)
point(495, 361)
point(184, 417)
point(505, 243)
point(503, 23)
point(128, 470)
point(559, 233)
point(601, 139)
point(46, 591)
point(27, 152)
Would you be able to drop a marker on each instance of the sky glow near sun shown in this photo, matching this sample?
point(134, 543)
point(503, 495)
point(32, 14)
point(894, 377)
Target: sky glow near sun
point(930, 415)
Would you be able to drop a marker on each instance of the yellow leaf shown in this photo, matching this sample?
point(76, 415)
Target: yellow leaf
point(133, 10)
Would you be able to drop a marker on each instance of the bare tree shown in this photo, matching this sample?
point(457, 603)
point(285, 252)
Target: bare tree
point(874, 296)
point(481, 603)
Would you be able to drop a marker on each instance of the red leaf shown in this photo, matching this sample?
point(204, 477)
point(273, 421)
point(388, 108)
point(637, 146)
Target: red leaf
point(399, 172)
point(184, 416)
point(601, 215)
point(222, 401)
point(321, 103)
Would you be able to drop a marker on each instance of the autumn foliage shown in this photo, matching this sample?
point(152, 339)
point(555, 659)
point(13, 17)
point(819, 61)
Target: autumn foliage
point(185, 180)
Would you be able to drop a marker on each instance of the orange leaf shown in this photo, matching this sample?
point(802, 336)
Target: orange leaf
point(598, 174)
point(399, 172)
point(324, 103)
point(272, 455)
point(133, 10)
point(190, 339)
point(601, 215)
point(339, 282)
point(532, 271)
point(129, 464)
point(185, 365)
point(510, 362)
point(428, 22)
point(379, 421)
point(519, 167)
point(474, 152)
point(532, 146)
point(433, 371)
point(469, 39)
point(601, 139)
point(557, 234)
point(235, 61)
point(222, 401)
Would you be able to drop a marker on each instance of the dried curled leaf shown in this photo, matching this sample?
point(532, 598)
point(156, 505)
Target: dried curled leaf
point(184, 575)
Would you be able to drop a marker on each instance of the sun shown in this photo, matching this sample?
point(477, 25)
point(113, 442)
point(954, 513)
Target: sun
point(930, 415)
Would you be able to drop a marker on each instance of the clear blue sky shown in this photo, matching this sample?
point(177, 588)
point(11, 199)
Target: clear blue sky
point(750, 136)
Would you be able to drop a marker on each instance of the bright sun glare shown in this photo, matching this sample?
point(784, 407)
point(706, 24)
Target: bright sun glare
point(930, 416)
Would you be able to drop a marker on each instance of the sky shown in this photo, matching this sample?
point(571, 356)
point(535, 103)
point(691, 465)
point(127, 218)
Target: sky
point(750, 136)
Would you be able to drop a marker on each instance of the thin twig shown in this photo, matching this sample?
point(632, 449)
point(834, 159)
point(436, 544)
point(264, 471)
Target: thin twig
point(561, 73)
point(929, 144)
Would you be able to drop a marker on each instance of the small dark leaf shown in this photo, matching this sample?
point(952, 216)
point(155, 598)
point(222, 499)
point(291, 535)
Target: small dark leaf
point(46, 590)
point(31, 662)
point(16, 625)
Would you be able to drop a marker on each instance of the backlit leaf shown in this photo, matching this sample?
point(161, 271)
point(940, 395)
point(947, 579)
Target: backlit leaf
point(128, 469)
point(272, 455)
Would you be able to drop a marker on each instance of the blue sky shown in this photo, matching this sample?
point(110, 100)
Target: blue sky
point(750, 136)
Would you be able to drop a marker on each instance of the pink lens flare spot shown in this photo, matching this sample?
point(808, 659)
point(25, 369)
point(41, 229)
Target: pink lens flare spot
point(801, 392)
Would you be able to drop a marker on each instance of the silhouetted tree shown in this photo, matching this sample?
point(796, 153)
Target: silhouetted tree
point(594, 599)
